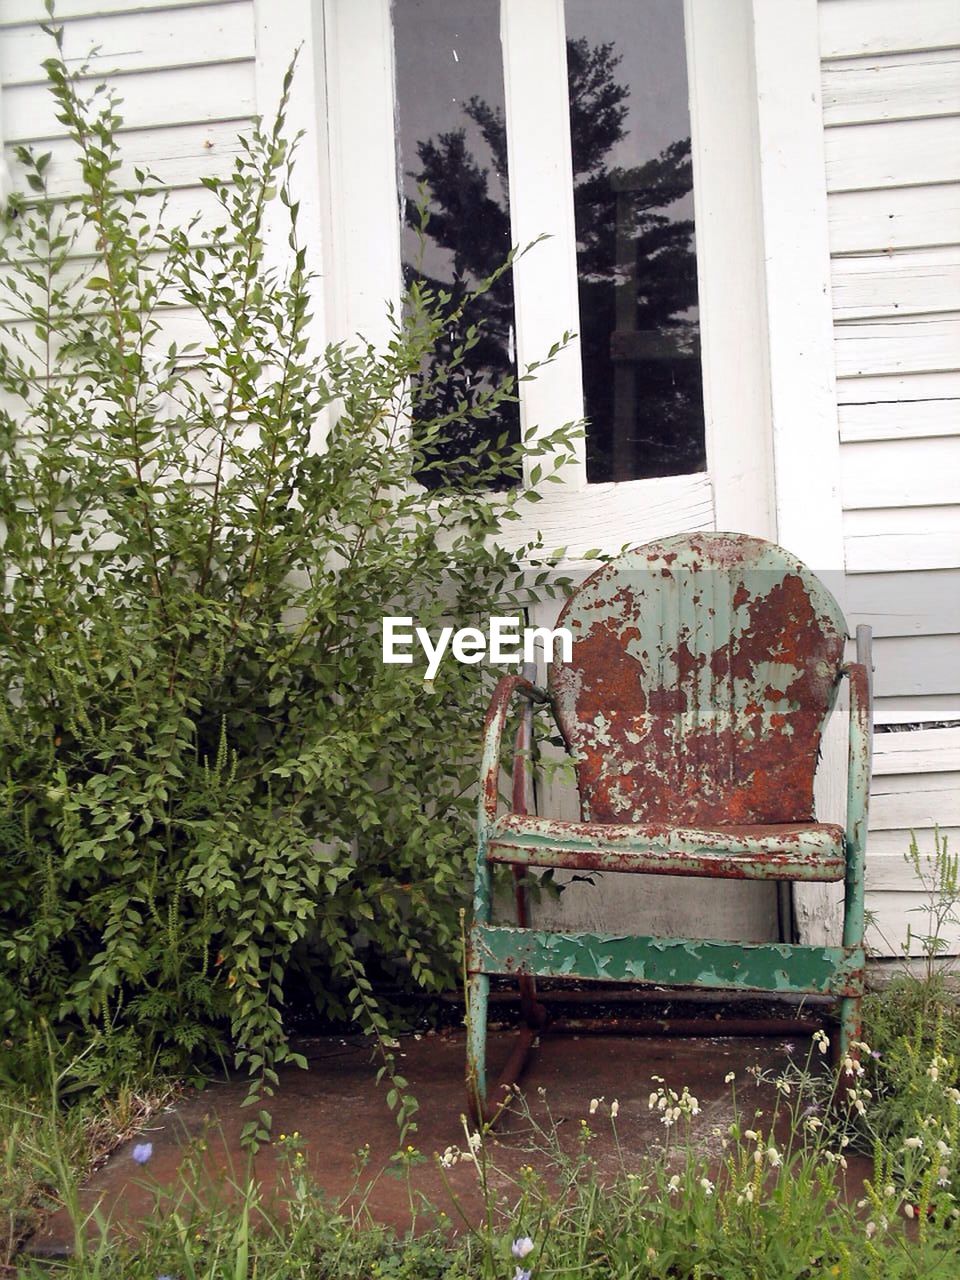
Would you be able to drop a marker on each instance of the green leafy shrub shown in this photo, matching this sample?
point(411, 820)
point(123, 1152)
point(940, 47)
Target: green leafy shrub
point(208, 774)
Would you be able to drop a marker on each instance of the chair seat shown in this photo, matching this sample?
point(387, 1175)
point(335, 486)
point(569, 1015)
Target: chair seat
point(788, 851)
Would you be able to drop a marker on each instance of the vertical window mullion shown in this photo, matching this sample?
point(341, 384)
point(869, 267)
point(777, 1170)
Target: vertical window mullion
point(541, 203)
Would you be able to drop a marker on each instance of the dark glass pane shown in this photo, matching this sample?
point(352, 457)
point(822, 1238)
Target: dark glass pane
point(451, 136)
point(633, 196)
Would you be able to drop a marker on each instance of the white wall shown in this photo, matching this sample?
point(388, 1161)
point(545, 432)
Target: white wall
point(185, 72)
point(891, 106)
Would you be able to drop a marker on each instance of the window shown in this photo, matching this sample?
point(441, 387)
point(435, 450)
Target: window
point(670, 364)
point(631, 177)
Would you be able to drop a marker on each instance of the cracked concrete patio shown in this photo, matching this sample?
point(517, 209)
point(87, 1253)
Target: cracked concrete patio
point(337, 1108)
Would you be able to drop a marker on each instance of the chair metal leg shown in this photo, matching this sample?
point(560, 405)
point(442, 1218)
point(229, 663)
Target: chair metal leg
point(849, 1025)
point(477, 993)
point(858, 800)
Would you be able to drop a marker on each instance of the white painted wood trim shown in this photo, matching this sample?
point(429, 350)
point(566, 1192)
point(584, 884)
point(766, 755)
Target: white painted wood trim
point(541, 203)
point(797, 266)
point(282, 31)
point(803, 402)
point(733, 321)
point(608, 517)
point(363, 263)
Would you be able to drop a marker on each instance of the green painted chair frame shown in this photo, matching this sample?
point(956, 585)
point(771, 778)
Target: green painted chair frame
point(703, 670)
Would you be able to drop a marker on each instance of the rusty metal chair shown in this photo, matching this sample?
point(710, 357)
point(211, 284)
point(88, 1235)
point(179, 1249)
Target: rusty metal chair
point(704, 668)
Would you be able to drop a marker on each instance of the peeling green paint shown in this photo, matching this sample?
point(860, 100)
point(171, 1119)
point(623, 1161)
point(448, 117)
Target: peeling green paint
point(670, 961)
point(810, 851)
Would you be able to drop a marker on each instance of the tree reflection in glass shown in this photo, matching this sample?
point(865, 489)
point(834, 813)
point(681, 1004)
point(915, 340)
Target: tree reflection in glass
point(632, 185)
point(453, 151)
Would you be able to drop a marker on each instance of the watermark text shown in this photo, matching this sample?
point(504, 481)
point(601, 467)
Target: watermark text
point(504, 642)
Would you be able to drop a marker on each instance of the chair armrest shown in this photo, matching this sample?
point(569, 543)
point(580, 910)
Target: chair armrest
point(507, 688)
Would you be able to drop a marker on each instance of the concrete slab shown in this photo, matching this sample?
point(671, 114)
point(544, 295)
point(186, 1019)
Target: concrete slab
point(337, 1108)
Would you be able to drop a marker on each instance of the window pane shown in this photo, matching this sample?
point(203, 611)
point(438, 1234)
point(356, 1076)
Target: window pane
point(633, 197)
point(451, 136)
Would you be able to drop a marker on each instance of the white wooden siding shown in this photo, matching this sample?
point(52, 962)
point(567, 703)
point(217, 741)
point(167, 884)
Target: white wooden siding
point(909, 86)
point(916, 788)
point(890, 72)
point(132, 42)
point(186, 74)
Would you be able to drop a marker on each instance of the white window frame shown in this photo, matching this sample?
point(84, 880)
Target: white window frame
point(763, 265)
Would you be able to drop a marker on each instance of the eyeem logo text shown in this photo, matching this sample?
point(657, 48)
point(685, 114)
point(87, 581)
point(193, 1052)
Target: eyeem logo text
point(503, 642)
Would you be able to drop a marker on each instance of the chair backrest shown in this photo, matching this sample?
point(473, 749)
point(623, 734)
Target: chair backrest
point(704, 667)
